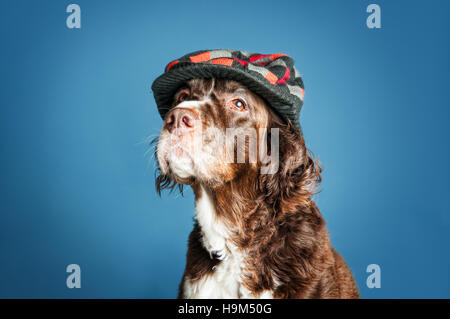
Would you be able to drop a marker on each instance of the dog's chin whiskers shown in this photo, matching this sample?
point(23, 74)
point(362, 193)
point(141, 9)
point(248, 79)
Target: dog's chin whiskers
point(149, 138)
point(152, 142)
point(148, 151)
point(166, 181)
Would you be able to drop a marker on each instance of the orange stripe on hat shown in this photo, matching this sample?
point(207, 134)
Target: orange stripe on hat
point(303, 93)
point(202, 57)
point(223, 61)
point(276, 56)
point(272, 78)
point(171, 64)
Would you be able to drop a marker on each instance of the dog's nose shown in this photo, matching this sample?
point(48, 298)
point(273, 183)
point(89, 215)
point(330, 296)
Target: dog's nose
point(180, 118)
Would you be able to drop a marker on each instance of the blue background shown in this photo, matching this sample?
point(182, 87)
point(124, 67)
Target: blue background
point(76, 109)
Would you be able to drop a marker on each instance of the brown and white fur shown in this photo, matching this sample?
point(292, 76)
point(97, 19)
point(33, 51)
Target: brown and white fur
point(255, 235)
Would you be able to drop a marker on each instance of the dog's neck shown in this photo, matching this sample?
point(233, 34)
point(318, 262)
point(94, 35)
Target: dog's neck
point(222, 212)
point(247, 212)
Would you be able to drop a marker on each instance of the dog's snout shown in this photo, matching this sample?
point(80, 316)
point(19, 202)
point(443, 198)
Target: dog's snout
point(180, 118)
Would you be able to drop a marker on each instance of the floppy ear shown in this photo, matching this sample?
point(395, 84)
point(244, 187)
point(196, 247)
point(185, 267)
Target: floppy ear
point(298, 175)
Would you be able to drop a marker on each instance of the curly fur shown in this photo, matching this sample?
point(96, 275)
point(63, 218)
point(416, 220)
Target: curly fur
point(275, 225)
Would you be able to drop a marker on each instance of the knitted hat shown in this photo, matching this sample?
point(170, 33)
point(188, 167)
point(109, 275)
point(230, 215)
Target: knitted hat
point(271, 76)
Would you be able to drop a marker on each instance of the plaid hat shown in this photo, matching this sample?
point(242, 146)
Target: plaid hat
point(271, 76)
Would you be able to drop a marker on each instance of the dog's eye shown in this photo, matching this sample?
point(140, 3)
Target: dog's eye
point(239, 104)
point(184, 96)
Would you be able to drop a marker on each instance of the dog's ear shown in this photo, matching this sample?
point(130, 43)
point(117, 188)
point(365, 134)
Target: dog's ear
point(299, 173)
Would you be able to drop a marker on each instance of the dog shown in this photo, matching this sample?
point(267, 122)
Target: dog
point(256, 235)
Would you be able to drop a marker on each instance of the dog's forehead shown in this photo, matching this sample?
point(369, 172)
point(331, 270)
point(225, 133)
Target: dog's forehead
point(214, 91)
point(219, 86)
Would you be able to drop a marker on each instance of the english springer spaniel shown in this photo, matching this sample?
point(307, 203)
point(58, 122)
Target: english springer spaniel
point(257, 234)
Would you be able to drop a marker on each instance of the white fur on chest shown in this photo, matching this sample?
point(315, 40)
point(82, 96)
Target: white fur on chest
point(214, 233)
point(225, 281)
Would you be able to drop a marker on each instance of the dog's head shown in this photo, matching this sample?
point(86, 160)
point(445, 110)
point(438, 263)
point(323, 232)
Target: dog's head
point(218, 130)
